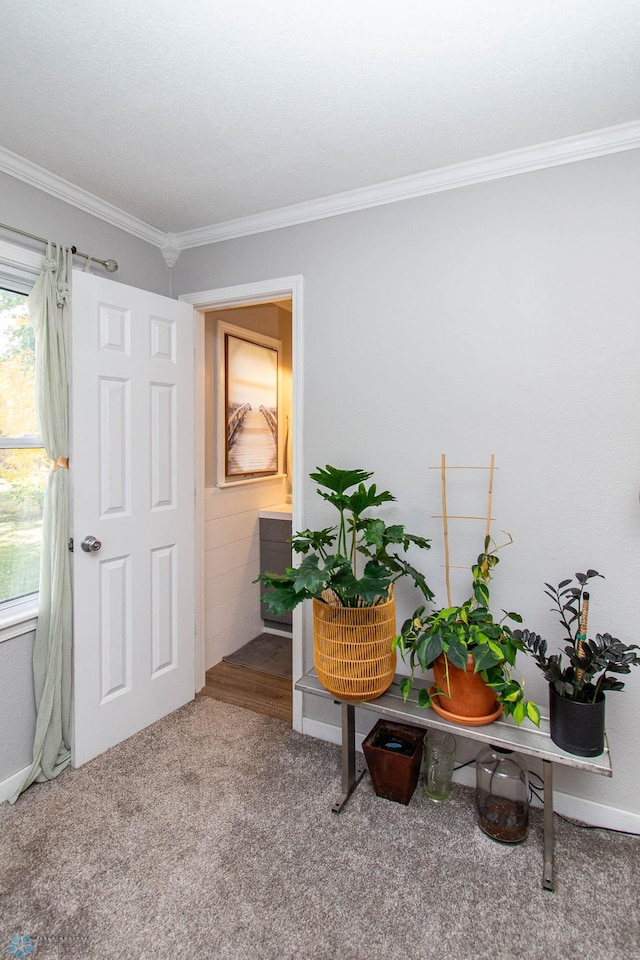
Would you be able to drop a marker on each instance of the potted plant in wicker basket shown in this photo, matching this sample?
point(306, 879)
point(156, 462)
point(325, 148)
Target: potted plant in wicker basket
point(577, 688)
point(349, 571)
point(471, 654)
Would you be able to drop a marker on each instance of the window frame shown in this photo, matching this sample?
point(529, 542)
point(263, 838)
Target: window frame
point(19, 269)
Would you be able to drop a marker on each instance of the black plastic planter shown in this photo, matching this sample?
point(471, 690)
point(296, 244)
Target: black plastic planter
point(577, 727)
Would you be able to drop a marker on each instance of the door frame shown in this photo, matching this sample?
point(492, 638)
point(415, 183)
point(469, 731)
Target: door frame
point(262, 291)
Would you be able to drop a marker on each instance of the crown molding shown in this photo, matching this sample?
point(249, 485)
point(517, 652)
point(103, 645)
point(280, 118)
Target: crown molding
point(597, 143)
point(56, 186)
point(170, 250)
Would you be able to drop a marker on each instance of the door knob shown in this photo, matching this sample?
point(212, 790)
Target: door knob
point(91, 544)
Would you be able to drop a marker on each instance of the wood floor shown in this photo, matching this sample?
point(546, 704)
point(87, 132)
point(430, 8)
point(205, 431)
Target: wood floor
point(260, 692)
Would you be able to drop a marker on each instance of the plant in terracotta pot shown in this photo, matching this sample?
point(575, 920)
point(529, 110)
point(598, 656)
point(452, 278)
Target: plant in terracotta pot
point(577, 686)
point(471, 654)
point(349, 571)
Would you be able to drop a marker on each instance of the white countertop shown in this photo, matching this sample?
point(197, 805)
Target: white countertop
point(281, 511)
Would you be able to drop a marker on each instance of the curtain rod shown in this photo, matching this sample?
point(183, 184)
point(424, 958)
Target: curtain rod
point(110, 265)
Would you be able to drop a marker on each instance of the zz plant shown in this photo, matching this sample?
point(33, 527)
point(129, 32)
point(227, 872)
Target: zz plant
point(590, 663)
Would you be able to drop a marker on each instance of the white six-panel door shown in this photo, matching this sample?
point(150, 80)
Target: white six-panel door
point(132, 472)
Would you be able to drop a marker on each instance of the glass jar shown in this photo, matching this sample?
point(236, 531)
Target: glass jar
point(502, 795)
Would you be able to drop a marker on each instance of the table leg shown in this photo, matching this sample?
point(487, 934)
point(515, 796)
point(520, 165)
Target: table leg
point(350, 778)
point(547, 877)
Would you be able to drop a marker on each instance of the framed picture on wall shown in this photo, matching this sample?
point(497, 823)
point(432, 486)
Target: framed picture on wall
point(249, 421)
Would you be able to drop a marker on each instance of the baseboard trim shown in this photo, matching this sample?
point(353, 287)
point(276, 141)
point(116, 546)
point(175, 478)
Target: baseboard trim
point(596, 814)
point(577, 808)
point(8, 787)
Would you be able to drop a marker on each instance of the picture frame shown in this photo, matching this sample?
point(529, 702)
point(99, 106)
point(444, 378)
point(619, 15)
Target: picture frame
point(249, 412)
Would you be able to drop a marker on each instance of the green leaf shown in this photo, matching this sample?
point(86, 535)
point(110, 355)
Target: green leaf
point(374, 583)
point(513, 616)
point(338, 480)
point(424, 698)
point(419, 648)
point(433, 649)
point(417, 577)
point(373, 532)
point(313, 539)
point(512, 691)
point(456, 653)
point(533, 713)
point(283, 599)
point(484, 657)
point(405, 687)
point(344, 582)
point(395, 533)
point(518, 713)
point(496, 649)
point(421, 542)
point(481, 593)
point(310, 577)
point(364, 498)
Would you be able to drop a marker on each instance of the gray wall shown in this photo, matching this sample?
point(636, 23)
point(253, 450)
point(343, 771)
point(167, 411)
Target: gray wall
point(17, 705)
point(140, 263)
point(499, 318)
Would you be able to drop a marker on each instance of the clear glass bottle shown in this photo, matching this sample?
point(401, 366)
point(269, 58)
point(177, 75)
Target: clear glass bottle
point(502, 795)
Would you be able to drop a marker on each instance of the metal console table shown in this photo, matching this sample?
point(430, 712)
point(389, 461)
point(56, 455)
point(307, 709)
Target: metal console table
point(529, 741)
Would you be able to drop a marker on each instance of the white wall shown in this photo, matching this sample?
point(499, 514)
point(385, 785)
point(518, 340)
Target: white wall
point(232, 562)
point(500, 318)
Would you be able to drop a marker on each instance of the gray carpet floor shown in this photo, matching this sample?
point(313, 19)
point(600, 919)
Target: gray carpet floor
point(268, 653)
point(210, 835)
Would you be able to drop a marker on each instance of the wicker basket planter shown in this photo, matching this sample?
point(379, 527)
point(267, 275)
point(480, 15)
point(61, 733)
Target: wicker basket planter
point(352, 649)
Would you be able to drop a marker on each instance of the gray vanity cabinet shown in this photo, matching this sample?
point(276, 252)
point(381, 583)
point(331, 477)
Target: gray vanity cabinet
point(275, 557)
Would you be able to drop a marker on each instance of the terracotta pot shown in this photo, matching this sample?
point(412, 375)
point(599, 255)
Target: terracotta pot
point(466, 698)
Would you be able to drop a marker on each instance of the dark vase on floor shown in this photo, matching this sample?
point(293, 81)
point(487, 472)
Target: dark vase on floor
point(393, 752)
point(577, 727)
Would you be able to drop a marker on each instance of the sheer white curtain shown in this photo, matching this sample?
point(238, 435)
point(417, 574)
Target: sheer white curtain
point(50, 314)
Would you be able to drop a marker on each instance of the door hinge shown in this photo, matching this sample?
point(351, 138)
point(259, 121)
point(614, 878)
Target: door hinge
point(70, 544)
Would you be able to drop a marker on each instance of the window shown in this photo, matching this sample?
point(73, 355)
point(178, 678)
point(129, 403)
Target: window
point(23, 462)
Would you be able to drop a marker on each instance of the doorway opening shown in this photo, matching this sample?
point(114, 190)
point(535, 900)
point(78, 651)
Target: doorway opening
point(248, 429)
point(213, 556)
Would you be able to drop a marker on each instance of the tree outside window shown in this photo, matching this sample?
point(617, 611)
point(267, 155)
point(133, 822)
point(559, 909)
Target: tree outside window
point(23, 462)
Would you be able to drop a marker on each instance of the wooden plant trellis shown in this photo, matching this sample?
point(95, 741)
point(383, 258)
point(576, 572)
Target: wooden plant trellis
point(445, 517)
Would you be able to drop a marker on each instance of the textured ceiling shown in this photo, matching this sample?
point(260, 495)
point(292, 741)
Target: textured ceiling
point(191, 113)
